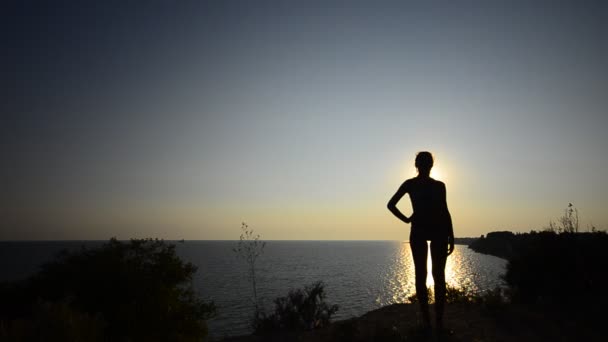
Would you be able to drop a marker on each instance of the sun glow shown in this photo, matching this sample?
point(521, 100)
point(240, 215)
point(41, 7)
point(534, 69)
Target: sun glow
point(437, 173)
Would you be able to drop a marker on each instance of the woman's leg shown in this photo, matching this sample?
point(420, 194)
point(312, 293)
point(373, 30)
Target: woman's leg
point(419, 254)
point(439, 255)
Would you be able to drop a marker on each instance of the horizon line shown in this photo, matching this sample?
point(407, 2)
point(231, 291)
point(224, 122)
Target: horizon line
point(218, 240)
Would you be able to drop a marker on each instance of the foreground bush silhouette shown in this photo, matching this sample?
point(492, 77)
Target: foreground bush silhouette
point(136, 291)
point(53, 322)
point(559, 269)
point(300, 310)
point(567, 269)
point(495, 297)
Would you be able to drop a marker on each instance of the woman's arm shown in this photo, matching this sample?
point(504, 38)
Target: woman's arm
point(392, 203)
point(451, 235)
point(448, 222)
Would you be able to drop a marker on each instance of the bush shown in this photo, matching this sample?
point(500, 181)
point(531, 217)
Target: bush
point(563, 269)
point(53, 322)
point(461, 295)
point(413, 298)
point(141, 291)
point(455, 295)
point(299, 310)
point(494, 299)
point(452, 295)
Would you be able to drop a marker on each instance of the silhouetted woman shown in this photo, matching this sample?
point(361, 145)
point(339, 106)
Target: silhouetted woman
point(431, 221)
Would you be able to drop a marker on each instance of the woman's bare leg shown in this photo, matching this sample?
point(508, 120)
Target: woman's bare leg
point(419, 254)
point(439, 255)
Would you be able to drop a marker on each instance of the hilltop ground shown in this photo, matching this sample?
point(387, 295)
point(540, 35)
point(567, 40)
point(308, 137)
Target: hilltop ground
point(466, 322)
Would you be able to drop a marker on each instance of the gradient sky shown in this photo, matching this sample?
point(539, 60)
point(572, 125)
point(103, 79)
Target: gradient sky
point(180, 119)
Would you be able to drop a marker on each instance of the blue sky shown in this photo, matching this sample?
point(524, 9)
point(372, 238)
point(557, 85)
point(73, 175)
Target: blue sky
point(182, 120)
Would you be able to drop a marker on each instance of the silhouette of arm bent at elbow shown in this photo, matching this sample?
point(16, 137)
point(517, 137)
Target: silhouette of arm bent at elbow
point(392, 203)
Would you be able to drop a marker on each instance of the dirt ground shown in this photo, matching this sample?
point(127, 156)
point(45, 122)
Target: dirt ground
point(463, 323)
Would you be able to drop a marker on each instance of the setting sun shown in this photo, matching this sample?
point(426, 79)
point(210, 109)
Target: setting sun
point(438, 173)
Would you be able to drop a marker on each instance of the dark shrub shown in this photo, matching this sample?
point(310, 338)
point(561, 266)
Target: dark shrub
point(141, 290)
point(568, 270)
point(462, 295)
point(53, 322)
point(299, 310)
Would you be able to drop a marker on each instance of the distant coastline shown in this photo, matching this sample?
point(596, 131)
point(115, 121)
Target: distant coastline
point(467, 241)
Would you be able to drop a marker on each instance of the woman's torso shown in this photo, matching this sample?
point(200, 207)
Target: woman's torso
point(430, 219)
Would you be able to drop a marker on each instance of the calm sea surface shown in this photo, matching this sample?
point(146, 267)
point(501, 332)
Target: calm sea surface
point(359, 275)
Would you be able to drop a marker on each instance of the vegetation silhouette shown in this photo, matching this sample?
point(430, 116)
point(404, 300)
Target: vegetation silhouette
point(135, 291)
point(566, 270)
point(301, 310)
point(431, 221)
point(249, 248)
point(559, 269)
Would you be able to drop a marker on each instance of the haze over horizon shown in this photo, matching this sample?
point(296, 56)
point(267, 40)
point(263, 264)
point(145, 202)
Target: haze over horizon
point(181, 120)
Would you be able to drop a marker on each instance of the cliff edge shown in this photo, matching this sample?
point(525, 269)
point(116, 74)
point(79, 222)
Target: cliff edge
point(464, 323)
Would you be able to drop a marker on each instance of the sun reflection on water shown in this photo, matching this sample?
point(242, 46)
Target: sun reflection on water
point(462, 270)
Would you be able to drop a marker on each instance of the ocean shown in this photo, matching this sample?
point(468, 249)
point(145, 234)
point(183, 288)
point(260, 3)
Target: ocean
point(359, 276)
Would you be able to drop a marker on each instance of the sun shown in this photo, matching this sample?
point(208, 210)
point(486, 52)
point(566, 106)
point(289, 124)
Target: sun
point(437, 173)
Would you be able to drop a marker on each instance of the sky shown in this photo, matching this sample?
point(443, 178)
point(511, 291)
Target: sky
point(182, 119)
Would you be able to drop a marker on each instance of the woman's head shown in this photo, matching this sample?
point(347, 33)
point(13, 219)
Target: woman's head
point(424, 162)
